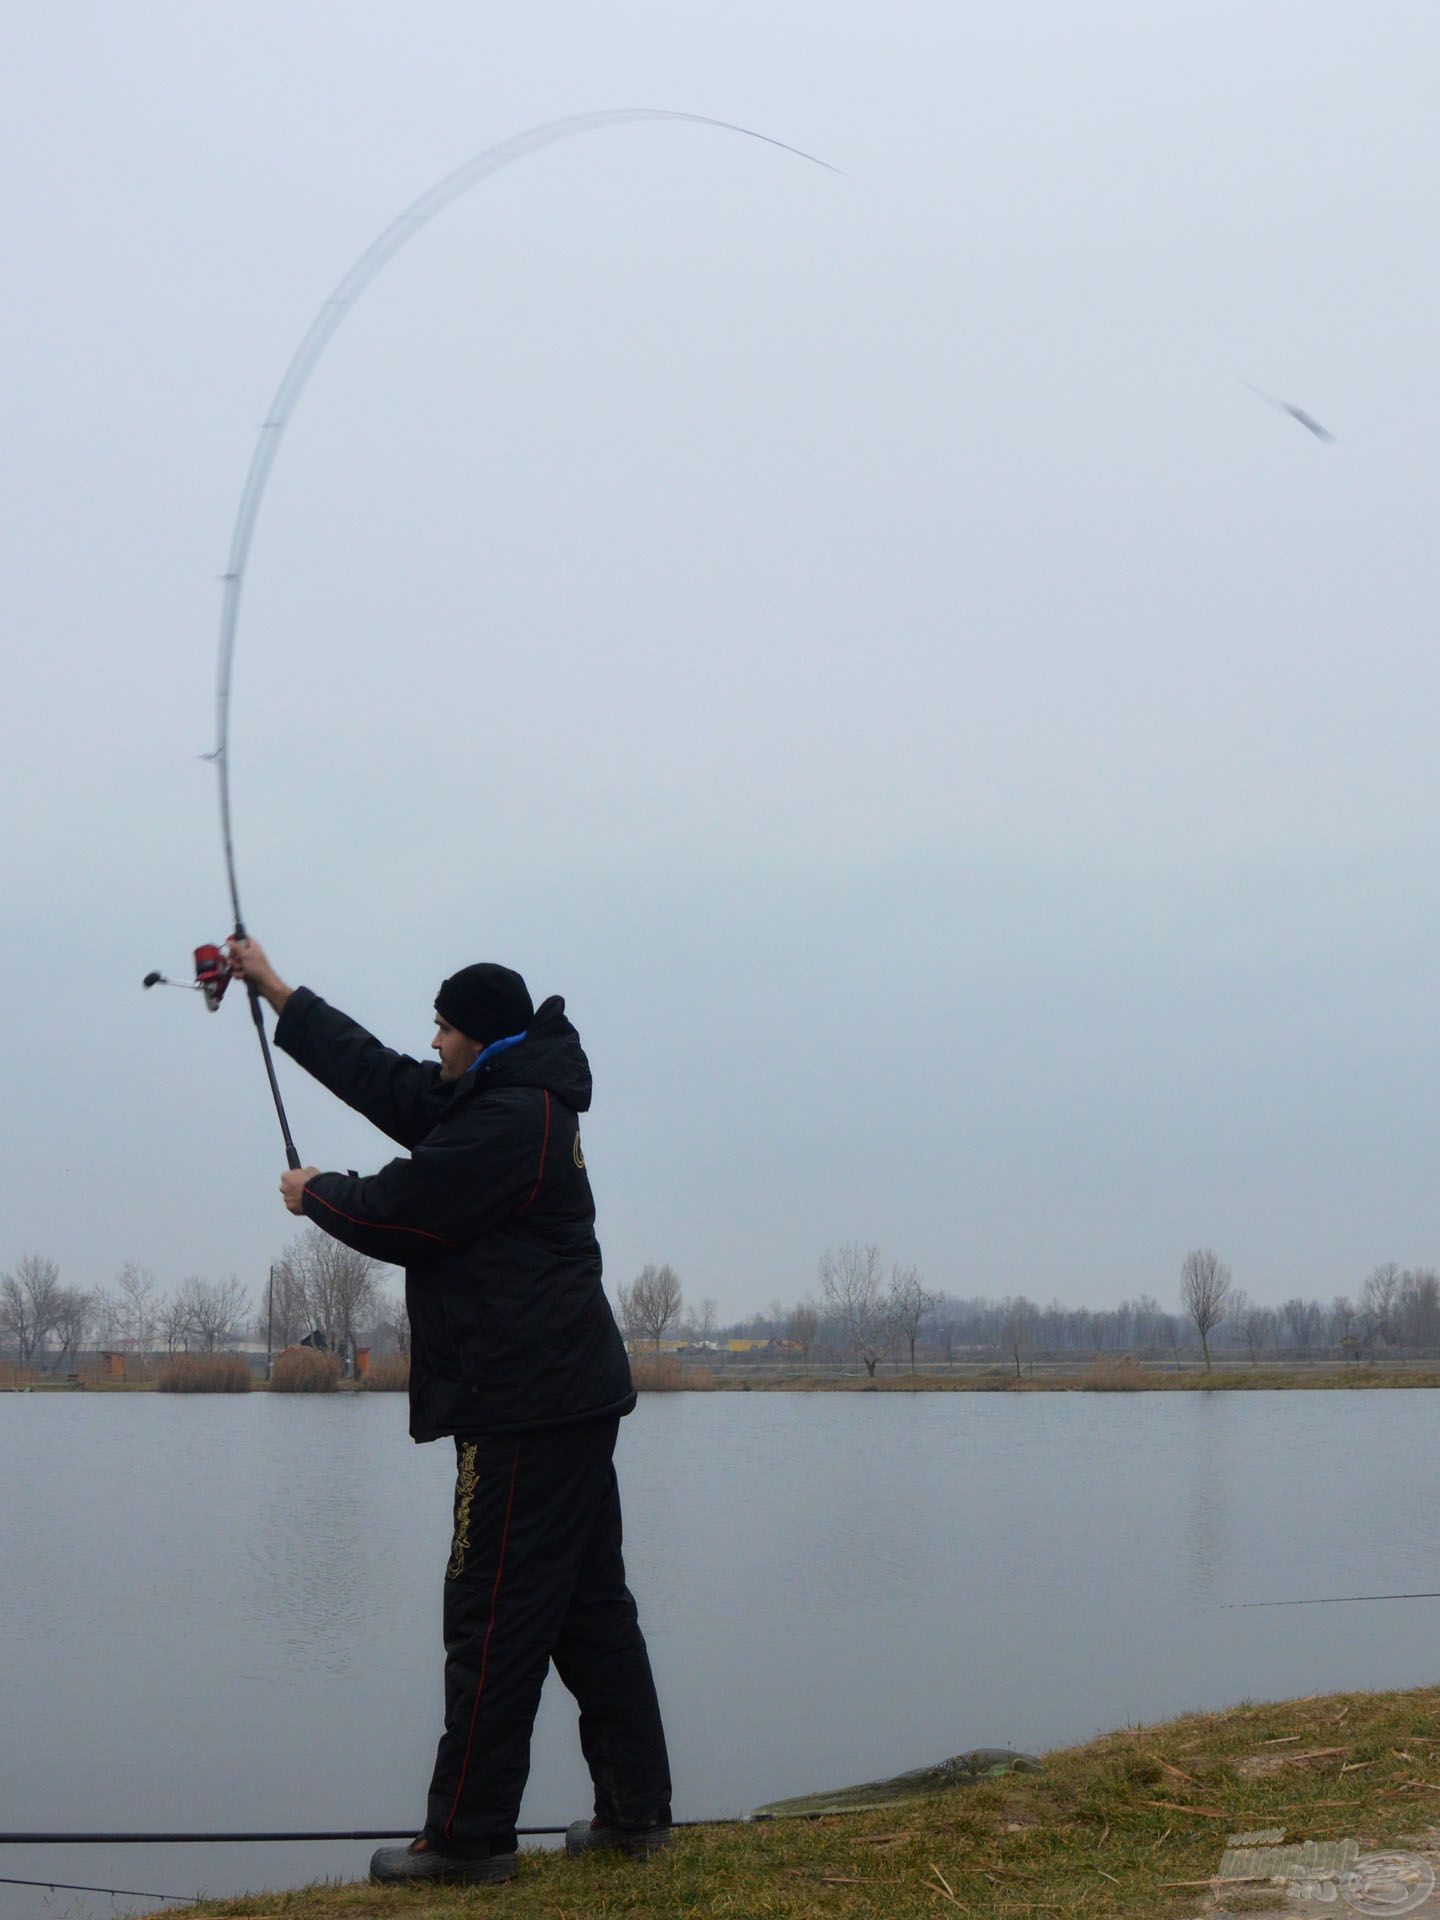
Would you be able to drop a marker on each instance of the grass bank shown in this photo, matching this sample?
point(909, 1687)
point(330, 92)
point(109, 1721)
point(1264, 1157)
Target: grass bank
point(1132, 1826)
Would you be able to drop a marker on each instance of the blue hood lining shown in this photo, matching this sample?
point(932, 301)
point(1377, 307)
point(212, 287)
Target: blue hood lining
point(498, 1046)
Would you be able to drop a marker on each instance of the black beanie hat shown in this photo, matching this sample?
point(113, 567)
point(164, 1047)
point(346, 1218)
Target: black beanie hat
point(485, 1001)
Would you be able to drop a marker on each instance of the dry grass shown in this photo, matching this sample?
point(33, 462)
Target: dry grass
point(1110, 1373)
point(389, 1374)
point(302, 1370)
point(1271, 1379)
point(1129, 1827)
point(204, 1373)
point(667, 1373)
point(1192, 1379)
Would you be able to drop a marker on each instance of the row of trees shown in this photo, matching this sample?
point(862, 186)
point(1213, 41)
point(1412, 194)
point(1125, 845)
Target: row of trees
point(866, 1312)
point(316, 1287)
point(869, 1312)
point(1397, 1308)
point(860, 1310)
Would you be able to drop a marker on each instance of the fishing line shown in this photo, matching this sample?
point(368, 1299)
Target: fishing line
point(1327, 1600)
point(307, 354)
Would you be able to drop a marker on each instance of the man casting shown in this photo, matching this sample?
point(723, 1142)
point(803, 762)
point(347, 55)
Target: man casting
point(515, 1354)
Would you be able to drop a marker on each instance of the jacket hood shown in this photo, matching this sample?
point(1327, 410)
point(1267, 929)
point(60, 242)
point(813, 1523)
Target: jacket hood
point(549, 1056)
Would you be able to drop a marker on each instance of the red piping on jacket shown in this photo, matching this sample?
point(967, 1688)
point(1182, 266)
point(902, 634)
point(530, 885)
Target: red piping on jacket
point(448, 1829)
point(544, 1149)
point(377, 1226)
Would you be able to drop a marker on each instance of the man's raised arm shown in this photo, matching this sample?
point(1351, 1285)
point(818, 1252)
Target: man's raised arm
point(395, 1093)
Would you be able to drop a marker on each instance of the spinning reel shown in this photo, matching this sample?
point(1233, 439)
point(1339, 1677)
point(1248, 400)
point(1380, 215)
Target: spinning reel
point(212, 976)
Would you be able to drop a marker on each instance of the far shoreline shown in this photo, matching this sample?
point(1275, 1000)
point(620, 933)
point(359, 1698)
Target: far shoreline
point(667, 1373)
point(1081, 1380)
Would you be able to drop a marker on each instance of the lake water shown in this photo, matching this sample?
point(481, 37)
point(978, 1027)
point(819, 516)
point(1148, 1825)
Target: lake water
point(224, 1612)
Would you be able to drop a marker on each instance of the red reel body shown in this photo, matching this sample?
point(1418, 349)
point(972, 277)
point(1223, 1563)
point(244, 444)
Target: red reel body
point(212, 975)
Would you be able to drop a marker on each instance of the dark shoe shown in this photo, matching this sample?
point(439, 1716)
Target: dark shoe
point(588, 1836)
point(405, 1866)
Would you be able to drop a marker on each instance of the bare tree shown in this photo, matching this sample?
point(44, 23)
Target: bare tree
point(1017, 1328)
point(802, 1327)
point(851, 1288)
point(211, 1310)
point(393, 1316)
point(287, 1310)
point(1257, 1329)
point(1342, 1320)
point(71, 1314)
point(1204, 1285)
point(651, 1302)
point(946, 1333)
point(139, 1307)
point(1151, 1325)
point(1379, 1298)
point(910, 1303)
point(1302, 1317)
point(1418, 1308)
point(1246, 1322)
point(706, 1323)
point(1174, 1328)
point(27, 1304)
point(770, 1323)
point(1237, 1305)
point(106, 1320)
point(340, 1285)
point(172, 1321)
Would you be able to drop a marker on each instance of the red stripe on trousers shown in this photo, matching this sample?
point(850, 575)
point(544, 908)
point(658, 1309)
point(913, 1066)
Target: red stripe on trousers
point(448, 1828)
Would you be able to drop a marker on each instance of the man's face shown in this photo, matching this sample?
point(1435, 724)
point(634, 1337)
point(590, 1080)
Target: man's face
point(457, 1051)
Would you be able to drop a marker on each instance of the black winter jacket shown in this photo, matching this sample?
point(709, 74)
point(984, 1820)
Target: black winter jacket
point(490, 1214)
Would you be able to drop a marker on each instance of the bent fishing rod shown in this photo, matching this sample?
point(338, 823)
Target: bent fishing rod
point(212, 971)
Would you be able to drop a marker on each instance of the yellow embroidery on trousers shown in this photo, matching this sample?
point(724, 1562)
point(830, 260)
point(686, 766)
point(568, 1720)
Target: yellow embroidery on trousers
point(465, 1483)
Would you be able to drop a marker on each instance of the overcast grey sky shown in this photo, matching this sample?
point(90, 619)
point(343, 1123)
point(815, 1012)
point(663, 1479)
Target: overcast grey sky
point(967, 761)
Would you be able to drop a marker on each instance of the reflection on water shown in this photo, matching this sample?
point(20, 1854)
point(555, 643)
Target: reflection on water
point(226, 1612)
point(1209, 1471)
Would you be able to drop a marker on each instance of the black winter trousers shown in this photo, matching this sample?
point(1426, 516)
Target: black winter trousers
point(536, 1575)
